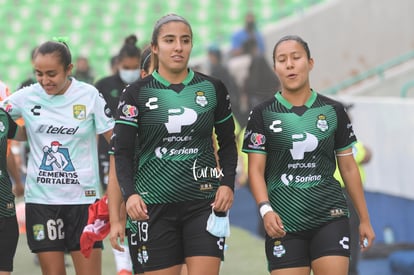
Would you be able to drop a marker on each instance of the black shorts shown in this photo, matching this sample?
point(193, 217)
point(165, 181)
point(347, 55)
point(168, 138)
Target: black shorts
point(133, 251)
point(56, 227)
point(298, 249)
point(174, 232)
point(9, 235)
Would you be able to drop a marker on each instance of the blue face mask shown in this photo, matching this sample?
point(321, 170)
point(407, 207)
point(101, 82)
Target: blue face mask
point(218, 226)
point(129, 76)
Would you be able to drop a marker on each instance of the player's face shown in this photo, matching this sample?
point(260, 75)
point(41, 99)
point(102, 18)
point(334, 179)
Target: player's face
point(51, 73)
point(129, 63)
point(173, 49)
point(292, 66)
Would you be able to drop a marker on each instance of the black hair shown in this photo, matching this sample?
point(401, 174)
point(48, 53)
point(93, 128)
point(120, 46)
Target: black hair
point(129, 49)
point(295, 38)
point(166, 19)
point(61, 48)
point(146, 59)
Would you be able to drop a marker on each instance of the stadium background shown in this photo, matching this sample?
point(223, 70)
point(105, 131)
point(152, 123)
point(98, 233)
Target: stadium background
point(364, 54)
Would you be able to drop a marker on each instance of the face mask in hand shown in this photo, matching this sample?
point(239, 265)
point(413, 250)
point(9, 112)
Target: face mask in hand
point(129, 76)
point(218, 226)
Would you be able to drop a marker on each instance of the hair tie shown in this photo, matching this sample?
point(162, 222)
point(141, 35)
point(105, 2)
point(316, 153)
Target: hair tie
point(61, 39)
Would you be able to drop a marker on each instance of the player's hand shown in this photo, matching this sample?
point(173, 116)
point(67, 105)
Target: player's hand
point(136, 208)
point(18, 189)
point(224, 199)
point(366, 235)
point(117, 235)
point(273, 225)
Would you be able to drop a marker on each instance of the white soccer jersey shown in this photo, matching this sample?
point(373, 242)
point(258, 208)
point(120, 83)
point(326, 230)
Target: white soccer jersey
point(63, 160)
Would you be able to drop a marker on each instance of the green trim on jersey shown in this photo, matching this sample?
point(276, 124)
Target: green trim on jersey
point(300, 143)
point(224, 119)
point(7, 206)
point(175, 124)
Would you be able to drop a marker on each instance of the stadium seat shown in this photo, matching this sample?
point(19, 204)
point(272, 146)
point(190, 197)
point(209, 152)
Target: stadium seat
point(97, 28)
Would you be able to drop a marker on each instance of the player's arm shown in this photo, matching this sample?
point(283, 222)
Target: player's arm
point(271, 220)
point(117, 212)
point(352, 179)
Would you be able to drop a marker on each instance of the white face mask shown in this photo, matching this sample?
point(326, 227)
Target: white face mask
point(129, 76)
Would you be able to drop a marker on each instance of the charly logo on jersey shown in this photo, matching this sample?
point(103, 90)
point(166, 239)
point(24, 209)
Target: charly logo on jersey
point(151, 103)
point(344, 242)
point(178, 118)
point(56, 166)
point(322, 123)
point(36, 110)
point(79, 111)
point(201, 98)
point(2, 127)
point(275, 126)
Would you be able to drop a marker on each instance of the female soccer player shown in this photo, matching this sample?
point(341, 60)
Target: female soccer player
point(62, 118)
point(172, 192)
point(293, 141)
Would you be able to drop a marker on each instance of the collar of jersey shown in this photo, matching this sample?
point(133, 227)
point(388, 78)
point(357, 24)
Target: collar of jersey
point(187, 80)
point(288, 105)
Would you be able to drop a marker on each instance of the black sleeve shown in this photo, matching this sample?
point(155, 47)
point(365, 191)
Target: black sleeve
point(227, 151)
point(344, 135)
point(124, 145)
point(12, 126)
point(226, 139)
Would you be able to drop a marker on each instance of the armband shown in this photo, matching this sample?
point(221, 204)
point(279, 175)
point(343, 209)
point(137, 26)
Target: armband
point(345, 154)
point(264, 208)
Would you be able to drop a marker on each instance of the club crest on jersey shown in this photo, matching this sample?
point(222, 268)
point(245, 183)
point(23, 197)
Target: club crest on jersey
point(79, 111)
point(321, 123)
point(38, 232)
point(2, 127)
point(278, 249)
point(201, 98)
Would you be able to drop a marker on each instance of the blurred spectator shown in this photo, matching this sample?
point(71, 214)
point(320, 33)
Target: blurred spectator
point(31, 79)
point(113, 63)
point(261, 82)
point(220, 71)
point(83, 71)
point(126, 70)
point(250, 31)
point(254, 77)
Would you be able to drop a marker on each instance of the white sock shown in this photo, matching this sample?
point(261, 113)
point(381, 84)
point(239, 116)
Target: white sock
point(122, 259)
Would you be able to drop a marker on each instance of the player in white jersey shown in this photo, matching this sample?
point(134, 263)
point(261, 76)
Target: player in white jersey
point(62, 118)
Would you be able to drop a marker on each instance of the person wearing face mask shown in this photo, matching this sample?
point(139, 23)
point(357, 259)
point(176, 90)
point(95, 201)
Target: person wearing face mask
point(248, 32)
point(129, 59)
point(128, 70)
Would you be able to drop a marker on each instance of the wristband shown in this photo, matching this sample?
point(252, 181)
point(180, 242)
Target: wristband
point(265, 208)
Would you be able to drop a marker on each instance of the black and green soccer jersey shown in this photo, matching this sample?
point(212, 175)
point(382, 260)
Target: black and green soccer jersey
point(300, 145)
point(174, 124)
point(7, 130)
